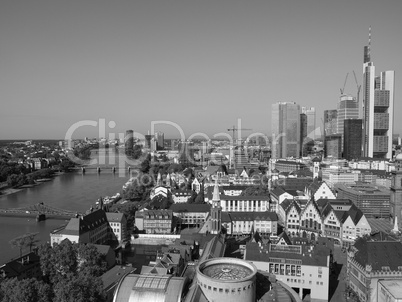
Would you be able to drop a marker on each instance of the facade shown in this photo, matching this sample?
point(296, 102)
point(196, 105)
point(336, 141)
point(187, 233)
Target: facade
point(372, 200)
point(352, 139)
point(154, 221)
point(311, 221)
point(191, 214)
point(333, 146)
point(348, 108)
point(288, 165)
point(285, 130)
point(289, 215)
point(304, 268)
point(378, 109)
point(90, 228)
point(118, 225)
point(303, 131)
point(330, 122)
point(319, 190)
point(244, 203)
point(396, 192)
point(311, 127)
point(245, 223)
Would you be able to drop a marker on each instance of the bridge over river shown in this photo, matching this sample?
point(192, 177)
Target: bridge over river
point(40, 211)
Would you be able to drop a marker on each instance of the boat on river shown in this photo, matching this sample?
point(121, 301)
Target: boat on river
point(109, 199)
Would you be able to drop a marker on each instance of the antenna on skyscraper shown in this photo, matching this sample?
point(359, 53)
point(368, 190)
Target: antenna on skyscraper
point(369, 43)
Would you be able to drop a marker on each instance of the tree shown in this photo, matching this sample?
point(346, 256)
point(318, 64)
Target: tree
point(19, 242)
point(16, 180)
point(26, 290)
point(145, 166)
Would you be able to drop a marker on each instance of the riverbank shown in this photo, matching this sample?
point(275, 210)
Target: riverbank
point(5, 190)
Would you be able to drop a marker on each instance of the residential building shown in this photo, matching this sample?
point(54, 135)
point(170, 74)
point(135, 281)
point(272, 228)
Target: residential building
point(378, 109)
point(285, 130)
point(311, 221)
point(289, 216)
point(118, 225)
point(190, 214)
point(24, 267)
point(154, 221)
point(319, 190)
point(89, 228)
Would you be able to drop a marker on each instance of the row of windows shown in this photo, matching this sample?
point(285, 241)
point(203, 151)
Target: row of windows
point(226, 290)
point(285, 269)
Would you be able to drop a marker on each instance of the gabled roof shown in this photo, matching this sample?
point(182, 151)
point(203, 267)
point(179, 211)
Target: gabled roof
point(285, 238)
point(379, 254)
point(190, 207)
point(287, 205)
point(115, 217)
point(91, 221)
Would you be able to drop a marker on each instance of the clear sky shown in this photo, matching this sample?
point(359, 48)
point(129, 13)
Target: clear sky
point(200, 64)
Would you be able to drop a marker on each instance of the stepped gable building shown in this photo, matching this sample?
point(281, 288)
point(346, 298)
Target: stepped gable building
point(289, 215)
point(90, 228)
point(319, 189)
point(371, 262)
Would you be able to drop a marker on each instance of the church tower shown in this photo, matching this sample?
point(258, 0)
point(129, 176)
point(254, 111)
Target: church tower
point(216, 211)
point(316, 167)
point(396, 192)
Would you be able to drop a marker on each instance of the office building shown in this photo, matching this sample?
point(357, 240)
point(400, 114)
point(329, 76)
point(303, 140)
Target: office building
point(352, 139)
point(372, 200)
point(330, 121)
point(378, 107)
point(347, 109)
point(310, 114)
point(333, 146)
point(285, 130)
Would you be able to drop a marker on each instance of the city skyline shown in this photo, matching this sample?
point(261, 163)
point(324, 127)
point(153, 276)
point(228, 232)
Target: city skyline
point(200, 65)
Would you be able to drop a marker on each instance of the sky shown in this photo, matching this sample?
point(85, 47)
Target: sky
point(99, 67)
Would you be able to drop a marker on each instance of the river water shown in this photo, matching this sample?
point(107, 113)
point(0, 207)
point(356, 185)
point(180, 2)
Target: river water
point(71, 191)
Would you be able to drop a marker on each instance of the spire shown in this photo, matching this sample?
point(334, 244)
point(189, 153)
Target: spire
point(369, 41)
point(215, 196)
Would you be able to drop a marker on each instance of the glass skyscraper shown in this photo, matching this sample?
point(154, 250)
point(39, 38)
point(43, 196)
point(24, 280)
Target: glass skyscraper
point(285, 130)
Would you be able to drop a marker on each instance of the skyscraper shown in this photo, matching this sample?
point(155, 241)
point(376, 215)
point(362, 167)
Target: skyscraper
point(303, 131)
point(378, 106)
point(160, 140)
point(330, 121)
point(352, 139)
point(285, 130)
point(347, 109)
point(310, 113)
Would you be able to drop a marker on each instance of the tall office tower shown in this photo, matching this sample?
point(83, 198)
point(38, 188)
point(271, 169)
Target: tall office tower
point(352, 139)
point(148, 141)
point(310, 113)
point(160, 140)
point(303, 132)
point(347, 108)
point(285, 130)
point(330, 121)
point(129, 140)
point(378, 107)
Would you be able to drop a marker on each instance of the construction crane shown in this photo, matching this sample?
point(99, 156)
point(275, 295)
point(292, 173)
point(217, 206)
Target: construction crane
point(234, 129)
point(344, 84)
point(358, 88)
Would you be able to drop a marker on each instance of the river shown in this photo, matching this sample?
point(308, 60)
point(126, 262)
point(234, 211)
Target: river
point(71, 191)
